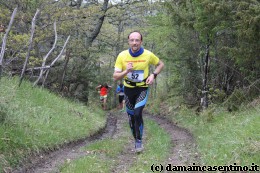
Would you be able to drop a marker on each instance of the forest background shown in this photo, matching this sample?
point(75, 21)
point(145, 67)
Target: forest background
point(210, 48)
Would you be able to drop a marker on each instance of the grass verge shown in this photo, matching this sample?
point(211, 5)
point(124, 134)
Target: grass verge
point(33, 120)
point(223, 137)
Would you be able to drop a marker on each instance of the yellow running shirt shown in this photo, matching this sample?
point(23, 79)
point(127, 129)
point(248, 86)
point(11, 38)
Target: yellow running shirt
point(140, 66)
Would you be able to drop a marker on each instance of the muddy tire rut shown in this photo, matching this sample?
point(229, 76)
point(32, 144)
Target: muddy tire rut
point(183, 151)
point(49, 162)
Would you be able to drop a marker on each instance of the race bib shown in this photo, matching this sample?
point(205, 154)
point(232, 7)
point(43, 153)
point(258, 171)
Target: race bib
point(136, 76)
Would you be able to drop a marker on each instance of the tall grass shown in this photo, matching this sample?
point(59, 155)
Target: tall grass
point(225, 138)
point(34, 119)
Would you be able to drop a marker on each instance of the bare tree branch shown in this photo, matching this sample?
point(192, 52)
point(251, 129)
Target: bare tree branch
point(4, 40)
point(30, 46)
point(56, 59)
point(39, 68)
point(46, 56)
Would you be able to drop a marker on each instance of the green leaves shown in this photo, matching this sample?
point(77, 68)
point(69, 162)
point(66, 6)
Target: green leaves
point(230, 28)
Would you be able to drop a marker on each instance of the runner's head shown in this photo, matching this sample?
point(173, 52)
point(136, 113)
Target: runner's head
point(138, 33)
point(135, 40)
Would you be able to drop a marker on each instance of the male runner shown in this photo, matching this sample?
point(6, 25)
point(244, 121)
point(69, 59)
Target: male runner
point(133, 65)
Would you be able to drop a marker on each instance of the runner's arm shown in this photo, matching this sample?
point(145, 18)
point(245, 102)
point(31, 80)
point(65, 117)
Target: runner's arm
point(157, 70)
point(121, 74)
point(98, 87)
point(108, 88)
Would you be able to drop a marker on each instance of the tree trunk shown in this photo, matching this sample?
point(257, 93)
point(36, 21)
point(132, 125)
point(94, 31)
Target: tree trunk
point(91, 37)
point(64, 69)
point(204, 99)
point(118, 47)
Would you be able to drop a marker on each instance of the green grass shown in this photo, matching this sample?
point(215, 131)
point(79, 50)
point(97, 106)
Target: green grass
point(34, 119)
point(103, 155)
point(100, 156)
point(157, 149)
point(225, 138)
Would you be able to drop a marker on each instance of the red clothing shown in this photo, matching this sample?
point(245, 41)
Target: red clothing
point(103, 90)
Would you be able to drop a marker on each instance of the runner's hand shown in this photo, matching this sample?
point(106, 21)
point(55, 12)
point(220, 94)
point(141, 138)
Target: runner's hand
point(129, 66)
point(150, 80)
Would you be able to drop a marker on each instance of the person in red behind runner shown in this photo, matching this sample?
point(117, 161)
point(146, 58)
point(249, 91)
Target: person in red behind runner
point(103, 91)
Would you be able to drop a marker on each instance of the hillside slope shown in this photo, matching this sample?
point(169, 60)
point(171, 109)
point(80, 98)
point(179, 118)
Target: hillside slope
point(33, 120)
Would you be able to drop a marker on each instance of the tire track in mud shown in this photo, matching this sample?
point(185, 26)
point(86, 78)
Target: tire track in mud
point(182, 152)
point(184, 149)
point(50, 161)
point(126, 158)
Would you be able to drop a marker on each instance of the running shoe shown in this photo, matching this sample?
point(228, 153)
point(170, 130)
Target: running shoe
point(138, 146)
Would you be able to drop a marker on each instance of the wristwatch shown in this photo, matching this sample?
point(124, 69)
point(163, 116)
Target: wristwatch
point(155, 75)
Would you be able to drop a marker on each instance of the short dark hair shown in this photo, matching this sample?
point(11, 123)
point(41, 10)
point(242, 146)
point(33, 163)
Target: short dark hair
point(138, 33)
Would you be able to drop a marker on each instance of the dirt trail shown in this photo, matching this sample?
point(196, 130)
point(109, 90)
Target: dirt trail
point(128, 155)
point(50, 162)
point(183, 151)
